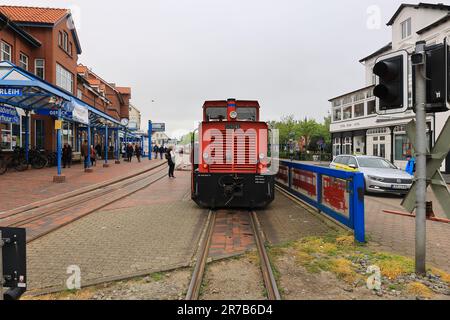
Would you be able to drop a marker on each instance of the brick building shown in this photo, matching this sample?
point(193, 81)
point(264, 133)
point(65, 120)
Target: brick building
point(44, 41)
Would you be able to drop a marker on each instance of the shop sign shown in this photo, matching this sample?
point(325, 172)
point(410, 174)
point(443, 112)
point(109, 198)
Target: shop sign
point(10, 92)
point(54, 113)
point(58, 124)
point(9, 115)
point(158, 127)
point(80, 114)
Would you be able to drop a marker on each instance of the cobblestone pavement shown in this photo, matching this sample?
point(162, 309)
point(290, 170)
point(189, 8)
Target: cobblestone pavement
point(155, 229)
point(21, 188)
point(397, 233)
point(284, 221)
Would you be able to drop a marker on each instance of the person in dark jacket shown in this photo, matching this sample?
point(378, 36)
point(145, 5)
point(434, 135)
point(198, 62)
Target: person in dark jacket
point(170, 156)
point(138, 152)
point(156, 151)
point(98, 149)
point(84, 153)
point(67, 155)
point(93, 157)
point(130, 151)
point(161, 151)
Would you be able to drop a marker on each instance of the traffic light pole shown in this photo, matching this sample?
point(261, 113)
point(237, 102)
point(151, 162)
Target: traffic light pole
point(421, 166)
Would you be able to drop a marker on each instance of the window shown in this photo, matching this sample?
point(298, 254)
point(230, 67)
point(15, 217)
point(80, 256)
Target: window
point(347, 146)
point(67, 134)
point(65, 40)
point(64, 78)
point(360, 96)
point(337, 103)
point(39, 68)
point(246, 114)
point(347, 112)
point(79, 94)
point(23, 61)
point(402, 147)
point(348, 100)
point(6, 139)
point(23, 130)
point(5, 52)
point(39, 134)
point(359, 110)
point(336, 146)
point(60, 41)
point(406, 28)
point(371, 107)
point(216, 114)
point(375, 150)
point(337, 114)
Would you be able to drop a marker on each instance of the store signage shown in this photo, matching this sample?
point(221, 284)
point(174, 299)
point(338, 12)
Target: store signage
point(10, 92)
point(80, 114)
point(9, 115)
point(54, 113)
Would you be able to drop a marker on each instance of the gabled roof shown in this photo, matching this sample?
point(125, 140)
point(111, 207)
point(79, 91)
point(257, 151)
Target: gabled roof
point(438, 6)
point(34, 14)
point(124, 90)
point(6, 22)
point(39, 17)
point(378, 52)
point(438, 22)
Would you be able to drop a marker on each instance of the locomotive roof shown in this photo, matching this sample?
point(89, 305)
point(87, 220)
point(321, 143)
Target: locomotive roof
point(224, 103)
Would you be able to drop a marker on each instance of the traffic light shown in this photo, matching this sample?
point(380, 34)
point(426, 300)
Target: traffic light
point(392, 85)
point(437, 73)
point(437, 78)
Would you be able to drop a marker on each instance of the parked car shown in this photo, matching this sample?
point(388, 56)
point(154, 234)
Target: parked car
point(380, 175)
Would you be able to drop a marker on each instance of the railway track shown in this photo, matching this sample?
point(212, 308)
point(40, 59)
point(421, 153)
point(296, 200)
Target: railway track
point(46, 216)
point(270, 284)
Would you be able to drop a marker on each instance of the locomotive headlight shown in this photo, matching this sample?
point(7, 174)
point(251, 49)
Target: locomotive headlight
point(206, 155)
point(233, 114)
point(262, 156)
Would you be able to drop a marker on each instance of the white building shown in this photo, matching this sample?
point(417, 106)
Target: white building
point(160, 139)
point(356, 128)
point(135, 119)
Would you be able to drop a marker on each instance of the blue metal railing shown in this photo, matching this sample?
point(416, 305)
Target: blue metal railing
point(338, 194)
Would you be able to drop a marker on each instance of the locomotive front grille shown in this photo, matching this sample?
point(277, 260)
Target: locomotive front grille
point(240, 157)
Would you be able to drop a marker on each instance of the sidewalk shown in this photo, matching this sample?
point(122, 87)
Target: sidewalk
point(22, 188)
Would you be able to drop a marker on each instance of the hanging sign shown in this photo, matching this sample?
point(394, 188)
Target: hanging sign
point(80, 114)
point(54, 113)
point(58, 124)
point(10, 92)
point(9, 115)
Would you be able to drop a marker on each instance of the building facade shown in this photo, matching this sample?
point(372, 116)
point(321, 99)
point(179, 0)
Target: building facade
point(356, 128)
point(44, 41)
point(135, 119)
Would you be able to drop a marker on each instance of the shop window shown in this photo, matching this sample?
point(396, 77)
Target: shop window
point(67, 134)
point(5, 143)
point(336, 146)
point(371, 107)
point(403, 147)
point(382, 150)
point(23, 131)
point(375, 150)
point(39, 134)
point(347, 112)
point(359, 110)
point(347, 146)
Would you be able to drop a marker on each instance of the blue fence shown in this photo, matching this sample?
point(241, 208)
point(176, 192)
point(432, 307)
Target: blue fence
point(338, 194)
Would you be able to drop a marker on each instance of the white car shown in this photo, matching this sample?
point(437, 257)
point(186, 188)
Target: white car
point(380, 175)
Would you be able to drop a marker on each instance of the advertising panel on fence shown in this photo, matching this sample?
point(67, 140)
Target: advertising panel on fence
point(305, 182)
point(335, 195)
point(283, 175)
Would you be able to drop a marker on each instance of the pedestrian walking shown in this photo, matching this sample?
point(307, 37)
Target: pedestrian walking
point(67, 155)
point(170, 156)
point(411, 166)
point(156, 151)
point(138, 152)
point(130, 151)
point(161, 152)
point(93, 157)
point(98, 149)
point(84, 153)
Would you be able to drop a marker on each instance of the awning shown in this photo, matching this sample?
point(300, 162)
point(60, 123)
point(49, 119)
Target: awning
point(22, 89)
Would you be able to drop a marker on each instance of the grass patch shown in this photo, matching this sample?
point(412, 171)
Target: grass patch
point(419, 290)
point(393, 266)
point(444, 275)
point(157, 276)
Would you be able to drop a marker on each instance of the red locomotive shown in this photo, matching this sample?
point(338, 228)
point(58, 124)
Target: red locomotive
point(231, 166)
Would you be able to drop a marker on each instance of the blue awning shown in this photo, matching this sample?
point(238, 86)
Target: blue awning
point(22, 89)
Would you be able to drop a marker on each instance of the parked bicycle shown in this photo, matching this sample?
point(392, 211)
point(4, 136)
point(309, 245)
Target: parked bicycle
point(15, 160)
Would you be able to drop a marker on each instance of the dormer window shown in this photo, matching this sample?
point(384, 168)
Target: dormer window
point(406, 28)
point(63, 42)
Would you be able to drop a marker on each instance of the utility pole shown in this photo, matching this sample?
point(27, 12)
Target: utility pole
point(421, 160)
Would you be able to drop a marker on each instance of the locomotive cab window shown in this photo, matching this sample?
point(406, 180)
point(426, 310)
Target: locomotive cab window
point(216, 114)
point(246, 114)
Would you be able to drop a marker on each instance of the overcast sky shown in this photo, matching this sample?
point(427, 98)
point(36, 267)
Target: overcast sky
point(292, 56)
